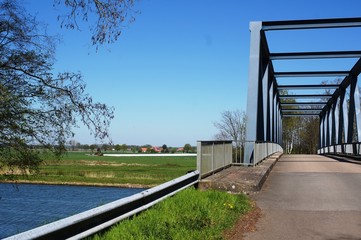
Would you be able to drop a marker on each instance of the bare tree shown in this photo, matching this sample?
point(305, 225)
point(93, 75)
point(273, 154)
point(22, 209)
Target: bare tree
point(232, 126)
point(107, 17)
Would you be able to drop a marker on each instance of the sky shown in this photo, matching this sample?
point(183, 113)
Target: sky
point(179, 65)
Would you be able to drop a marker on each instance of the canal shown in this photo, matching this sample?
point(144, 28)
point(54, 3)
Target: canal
point(26, 206)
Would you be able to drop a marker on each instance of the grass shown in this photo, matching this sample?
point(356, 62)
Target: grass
point(190, 214)
point(82, 168)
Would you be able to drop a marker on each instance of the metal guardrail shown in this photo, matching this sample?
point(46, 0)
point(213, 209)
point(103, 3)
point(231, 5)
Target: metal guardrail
point(345, 148)
point(213, 156)
point(97, 219)
point(264, 149)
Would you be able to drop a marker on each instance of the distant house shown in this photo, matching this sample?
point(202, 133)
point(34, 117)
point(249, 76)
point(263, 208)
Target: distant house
point(152, 149)
point(180, 149)
point(157, 149)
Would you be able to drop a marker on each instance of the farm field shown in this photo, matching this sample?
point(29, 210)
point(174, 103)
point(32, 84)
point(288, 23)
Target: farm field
point(81, 168)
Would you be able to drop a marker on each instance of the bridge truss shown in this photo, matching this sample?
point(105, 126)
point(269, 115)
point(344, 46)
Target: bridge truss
point(337, 104)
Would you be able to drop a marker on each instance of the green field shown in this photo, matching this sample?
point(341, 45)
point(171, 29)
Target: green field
point(137, 171)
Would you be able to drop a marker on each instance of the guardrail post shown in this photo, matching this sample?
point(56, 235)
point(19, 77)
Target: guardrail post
point(212, 157)
point(199, 158)
point(224, 154)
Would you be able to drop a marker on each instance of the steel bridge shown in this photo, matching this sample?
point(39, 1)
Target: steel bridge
point(337, 105)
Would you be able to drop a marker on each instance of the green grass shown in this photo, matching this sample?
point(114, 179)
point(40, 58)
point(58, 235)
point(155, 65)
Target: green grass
point(82, 168)
point(190, 214)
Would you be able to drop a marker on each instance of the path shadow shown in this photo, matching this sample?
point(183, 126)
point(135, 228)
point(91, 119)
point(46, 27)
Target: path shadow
point(345, 159)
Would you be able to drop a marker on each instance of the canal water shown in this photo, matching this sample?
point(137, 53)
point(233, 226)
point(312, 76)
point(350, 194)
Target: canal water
point(26, 206)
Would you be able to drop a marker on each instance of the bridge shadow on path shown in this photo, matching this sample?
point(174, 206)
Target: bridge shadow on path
point(346, 158)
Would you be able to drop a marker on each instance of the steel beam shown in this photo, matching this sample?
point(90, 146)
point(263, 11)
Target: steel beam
point(320, 137)
point(334, 122)
point(253, 86)
point(294, 96)
point(310, 24)
point(279, 124)
point(344, 116)
point(356, 69)
point(302, 103)
point(357, 110)
point(308, 87)
point(300, 114)
point(301, 110)
point(275, 116)
point(337, 120)
point(351, 113)
point(325, 130)
point(312, 74)
point(315, 55)
point(271, 113)
point(265, 92)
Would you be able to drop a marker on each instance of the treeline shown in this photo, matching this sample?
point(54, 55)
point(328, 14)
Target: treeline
point(124, 148)
point(300, 135)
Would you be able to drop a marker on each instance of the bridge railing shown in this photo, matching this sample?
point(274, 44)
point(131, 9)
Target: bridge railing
point(346, 148)
point(263, 150)
point(213, 156)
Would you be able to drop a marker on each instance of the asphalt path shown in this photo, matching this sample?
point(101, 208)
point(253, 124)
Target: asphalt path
point(310, 197)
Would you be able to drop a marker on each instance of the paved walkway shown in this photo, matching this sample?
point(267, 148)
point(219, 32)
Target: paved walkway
point(310, 197)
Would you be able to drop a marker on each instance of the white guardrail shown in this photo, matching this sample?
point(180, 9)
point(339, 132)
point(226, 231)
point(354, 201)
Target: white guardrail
point(94, 220)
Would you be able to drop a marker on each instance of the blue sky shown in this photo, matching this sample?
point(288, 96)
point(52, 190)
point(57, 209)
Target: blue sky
point(178, 66)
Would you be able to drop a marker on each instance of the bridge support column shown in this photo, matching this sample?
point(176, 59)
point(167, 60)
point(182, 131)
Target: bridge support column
point(253, 89)
point(264, 122)
point(357, 109)
point(337, 121)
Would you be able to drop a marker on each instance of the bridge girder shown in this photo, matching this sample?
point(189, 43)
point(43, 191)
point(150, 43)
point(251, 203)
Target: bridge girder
point(267, 105)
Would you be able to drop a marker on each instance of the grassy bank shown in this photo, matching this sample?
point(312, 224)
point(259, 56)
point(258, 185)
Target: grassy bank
point(82, 168)
point(190, 214)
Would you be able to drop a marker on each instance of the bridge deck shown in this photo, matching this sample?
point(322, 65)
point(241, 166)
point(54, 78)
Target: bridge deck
point(310, 197)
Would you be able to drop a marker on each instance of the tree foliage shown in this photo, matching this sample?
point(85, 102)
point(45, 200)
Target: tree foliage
point(165, 149)
point(187, 148)
point(117, 147)
point(38, 107)
point(300, 135)
point(107, 17)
